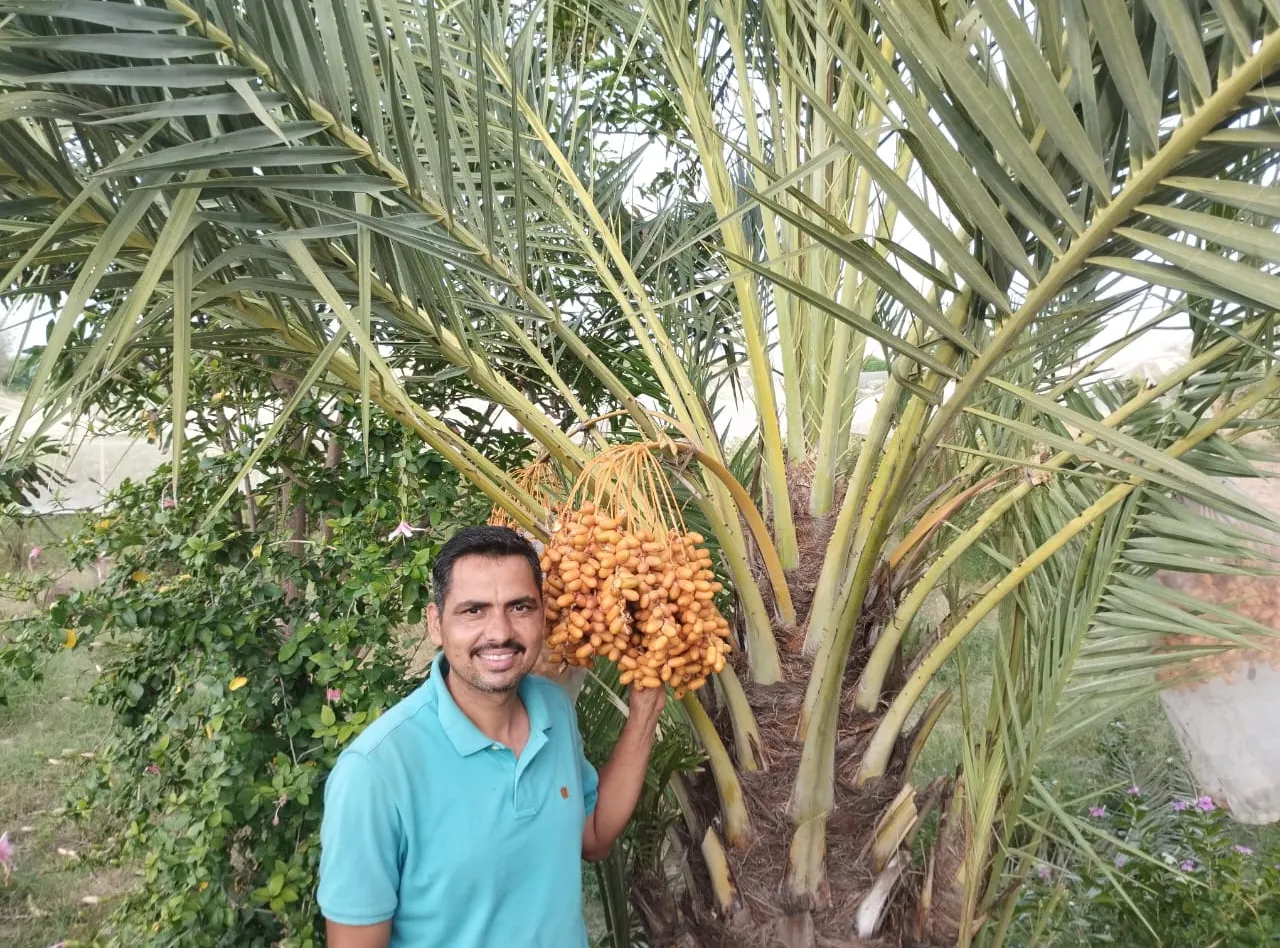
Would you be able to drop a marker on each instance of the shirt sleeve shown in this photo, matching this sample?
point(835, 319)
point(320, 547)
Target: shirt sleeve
point(360, 842)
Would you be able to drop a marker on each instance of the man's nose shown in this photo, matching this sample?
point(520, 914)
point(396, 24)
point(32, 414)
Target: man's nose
point(502, 626)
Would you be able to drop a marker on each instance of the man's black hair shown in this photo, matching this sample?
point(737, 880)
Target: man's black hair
point(480, 541)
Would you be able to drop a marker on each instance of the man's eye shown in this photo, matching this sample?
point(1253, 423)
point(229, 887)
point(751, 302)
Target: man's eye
point(472, 610)
point(522, 607)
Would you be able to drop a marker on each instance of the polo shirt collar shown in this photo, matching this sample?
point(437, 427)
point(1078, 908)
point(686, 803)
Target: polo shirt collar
point(467, 739)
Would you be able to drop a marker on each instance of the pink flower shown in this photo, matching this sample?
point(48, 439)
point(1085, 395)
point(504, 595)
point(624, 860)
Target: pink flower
point(403, 531)
point(1134, 791)
point(7, 849)
point(153, 770)
point(1205, 804)
point(35, 554)
point(1098, 812)
point(332, 695)
point(168, 503)
point(1121, 860)
point(1243, 850)
point(1180, 805)
point(1188, 865)
point(1045, 873)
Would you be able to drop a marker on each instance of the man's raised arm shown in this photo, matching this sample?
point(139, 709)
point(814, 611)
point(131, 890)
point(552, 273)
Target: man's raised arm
point(622, 778)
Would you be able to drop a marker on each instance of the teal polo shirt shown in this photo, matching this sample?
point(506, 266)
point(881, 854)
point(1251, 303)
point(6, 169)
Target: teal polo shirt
point(429, 823)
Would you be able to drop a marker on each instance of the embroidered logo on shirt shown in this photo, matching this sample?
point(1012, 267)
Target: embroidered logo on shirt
point(564, 792)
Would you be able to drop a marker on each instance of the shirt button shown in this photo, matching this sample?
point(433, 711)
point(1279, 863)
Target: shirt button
point(496, 747)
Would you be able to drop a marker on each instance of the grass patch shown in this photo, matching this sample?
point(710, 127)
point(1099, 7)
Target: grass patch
point(47, 727)
point(19, 536)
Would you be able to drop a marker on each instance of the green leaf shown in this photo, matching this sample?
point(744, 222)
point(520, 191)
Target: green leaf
point(936, 233)
point(162, 77)
point(955, 180)
point(1159, 274)
point(875, 268)
point(320, 183)
point(124, 16)
point(1255, 198)
point(256, 106)
point(327, 717)
point(1184, 39)
point(444, 163)
point(1156, 464)
point(991, 114)
point(182, 265)
point(92, 273)
point(364, 261)
point(217, 103)
point(1266, 135)
point(1114, 32)
point(1232, 277)
point(1229, 234)
point(299, 156)
point(240, 141)
point(132, 45)
point(845, 314)
point(1028, 66)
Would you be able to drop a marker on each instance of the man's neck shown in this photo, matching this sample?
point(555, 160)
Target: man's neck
point(497, 714)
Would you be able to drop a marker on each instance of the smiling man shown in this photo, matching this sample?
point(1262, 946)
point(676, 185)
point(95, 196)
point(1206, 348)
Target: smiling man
point(460, 817)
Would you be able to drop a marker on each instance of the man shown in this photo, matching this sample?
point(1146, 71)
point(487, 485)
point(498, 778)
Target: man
point(460, 817)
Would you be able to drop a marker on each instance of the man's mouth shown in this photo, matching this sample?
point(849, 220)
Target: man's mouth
point(498, 657)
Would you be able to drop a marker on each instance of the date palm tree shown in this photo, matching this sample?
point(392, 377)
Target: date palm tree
point(1000, 195)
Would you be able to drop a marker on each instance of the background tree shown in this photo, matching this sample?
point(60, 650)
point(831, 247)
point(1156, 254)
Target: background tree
point(402, 194)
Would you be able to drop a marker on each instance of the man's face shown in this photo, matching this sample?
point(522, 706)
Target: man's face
point(490, 624)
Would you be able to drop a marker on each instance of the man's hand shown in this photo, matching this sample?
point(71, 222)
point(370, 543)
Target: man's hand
point(622, 778)
point(646, 704)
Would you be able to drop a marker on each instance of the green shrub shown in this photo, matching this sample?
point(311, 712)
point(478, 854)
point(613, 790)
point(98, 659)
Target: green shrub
point(238, 666)
point(1197, 887)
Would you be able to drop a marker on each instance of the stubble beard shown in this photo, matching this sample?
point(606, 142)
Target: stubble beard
point(476, 678)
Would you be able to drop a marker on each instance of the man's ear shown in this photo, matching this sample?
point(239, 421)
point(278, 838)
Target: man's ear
point(433, 625)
